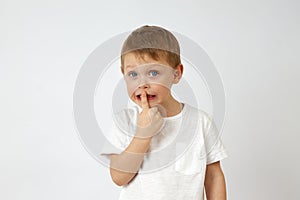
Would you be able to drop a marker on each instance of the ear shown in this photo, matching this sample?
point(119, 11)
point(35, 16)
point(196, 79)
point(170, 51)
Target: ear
point(178, 73)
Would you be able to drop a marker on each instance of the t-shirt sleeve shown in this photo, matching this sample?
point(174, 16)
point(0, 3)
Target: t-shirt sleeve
point(115, 143)
point(121, 132)
point(215, 150)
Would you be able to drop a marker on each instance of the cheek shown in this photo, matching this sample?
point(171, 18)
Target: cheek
point(164, 84)
point(130, 95)
point(131, 87)
point(161, 89)
point(130, 92)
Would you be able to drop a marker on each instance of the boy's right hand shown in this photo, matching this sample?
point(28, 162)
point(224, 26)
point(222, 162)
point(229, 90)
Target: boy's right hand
point(149, 121)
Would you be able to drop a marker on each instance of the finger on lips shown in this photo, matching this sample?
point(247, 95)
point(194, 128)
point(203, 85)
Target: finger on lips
point(144, 100)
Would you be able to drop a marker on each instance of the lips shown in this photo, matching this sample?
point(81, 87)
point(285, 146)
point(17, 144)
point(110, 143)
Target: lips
point(149, 97)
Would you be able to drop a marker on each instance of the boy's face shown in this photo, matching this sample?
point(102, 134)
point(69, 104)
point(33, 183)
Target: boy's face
point(149, 75)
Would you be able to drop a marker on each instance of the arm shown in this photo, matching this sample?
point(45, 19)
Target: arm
point(215, 186)
point(124, 166)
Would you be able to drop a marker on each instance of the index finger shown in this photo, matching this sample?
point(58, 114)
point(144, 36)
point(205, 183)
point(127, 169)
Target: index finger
point(144, 101)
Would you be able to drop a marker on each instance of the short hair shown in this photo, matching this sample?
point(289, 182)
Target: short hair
point(153, 41)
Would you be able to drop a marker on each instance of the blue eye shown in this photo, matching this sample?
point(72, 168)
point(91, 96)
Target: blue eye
point(153, 73)
point(132, 74)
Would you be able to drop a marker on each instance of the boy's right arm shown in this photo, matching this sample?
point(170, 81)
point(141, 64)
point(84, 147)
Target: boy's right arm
point(124, 166)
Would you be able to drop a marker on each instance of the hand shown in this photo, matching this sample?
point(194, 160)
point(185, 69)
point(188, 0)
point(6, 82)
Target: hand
point(149, 121)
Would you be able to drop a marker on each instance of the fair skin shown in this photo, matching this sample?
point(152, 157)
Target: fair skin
point(147, 96)
point(162, 93)
point(214, 183)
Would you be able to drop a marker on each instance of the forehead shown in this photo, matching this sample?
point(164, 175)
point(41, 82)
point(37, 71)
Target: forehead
point(132, 60)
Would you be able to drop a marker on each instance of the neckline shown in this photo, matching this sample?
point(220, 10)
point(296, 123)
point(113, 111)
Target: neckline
point(184, 107)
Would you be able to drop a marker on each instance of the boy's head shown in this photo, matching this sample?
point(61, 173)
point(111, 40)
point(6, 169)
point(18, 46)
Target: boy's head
point(154, 41)
point(150, 61)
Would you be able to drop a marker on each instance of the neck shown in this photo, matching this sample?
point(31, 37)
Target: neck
point(173, 107)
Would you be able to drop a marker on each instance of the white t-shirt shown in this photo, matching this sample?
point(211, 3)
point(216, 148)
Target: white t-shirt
point(174, 167)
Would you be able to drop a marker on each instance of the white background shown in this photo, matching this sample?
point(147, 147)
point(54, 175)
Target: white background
point(253, 44)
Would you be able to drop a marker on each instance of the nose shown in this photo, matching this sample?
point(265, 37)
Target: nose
point(144, 86)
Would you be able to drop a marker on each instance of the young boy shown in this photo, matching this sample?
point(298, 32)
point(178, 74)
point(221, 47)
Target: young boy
point(149, 163)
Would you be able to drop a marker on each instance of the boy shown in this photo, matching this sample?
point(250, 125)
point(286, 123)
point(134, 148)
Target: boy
point(147, 164)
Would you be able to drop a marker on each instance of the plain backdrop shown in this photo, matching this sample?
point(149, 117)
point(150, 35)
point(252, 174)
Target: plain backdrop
point(43, 44)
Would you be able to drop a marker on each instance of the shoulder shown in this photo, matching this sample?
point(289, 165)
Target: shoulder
point(126, 117)
point(198, 113)
point(127, 113)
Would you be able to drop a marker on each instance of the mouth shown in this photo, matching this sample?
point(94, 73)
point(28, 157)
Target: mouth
point(149, 97)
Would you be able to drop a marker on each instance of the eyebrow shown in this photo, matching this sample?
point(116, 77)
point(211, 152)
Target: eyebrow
point(129, 66)
point(151, 65)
